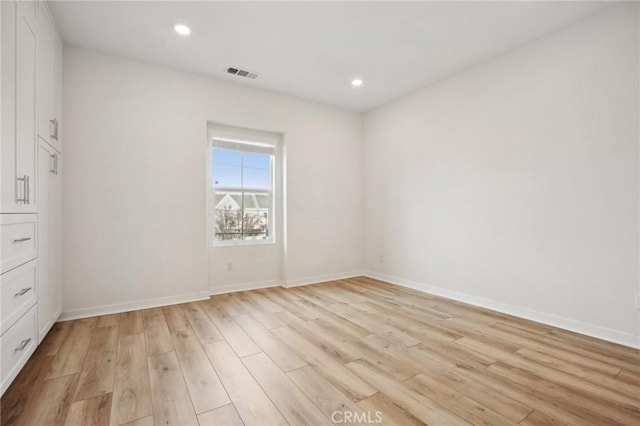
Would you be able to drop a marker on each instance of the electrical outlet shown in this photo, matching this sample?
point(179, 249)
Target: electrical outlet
point(638, 301)
point(229, 266)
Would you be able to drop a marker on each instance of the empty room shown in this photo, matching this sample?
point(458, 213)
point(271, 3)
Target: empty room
point(319, 213)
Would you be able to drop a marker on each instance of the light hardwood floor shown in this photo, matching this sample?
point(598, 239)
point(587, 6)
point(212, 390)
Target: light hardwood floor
point(353, 351)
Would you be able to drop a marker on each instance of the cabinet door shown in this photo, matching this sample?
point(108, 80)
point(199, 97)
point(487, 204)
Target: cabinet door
point(26, 133)
point(55, 237)
point(44, 74)
point(56, 89)
point(9, 172)
point(47, 294)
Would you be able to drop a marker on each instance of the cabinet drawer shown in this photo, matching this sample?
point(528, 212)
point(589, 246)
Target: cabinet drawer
point(19, 239)
point(16, 346)
point(17, 293)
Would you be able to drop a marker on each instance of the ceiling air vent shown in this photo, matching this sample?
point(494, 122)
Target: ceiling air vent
point(241, 73)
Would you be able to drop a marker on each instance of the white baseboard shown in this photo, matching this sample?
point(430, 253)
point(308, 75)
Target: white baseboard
point(615, 336)
point(193, 297)
point(231, 288)
point(132, 306)
point(321, 279)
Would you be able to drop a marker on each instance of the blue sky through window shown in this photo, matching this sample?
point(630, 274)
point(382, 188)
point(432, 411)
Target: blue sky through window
point(241, 169)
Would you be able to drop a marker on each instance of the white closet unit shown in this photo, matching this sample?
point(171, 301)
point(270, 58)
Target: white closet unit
point(30, 205)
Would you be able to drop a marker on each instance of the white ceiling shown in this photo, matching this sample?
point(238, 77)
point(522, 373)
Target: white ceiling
point(314, 49)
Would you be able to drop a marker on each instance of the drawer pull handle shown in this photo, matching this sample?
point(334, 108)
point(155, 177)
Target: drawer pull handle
point(22, 240)
point(22, 292)
point(23, 345)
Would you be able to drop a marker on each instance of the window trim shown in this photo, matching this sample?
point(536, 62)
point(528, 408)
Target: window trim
point(272, 144)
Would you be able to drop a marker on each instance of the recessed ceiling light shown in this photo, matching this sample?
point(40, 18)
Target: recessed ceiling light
point(182, 29)
point(356, 82)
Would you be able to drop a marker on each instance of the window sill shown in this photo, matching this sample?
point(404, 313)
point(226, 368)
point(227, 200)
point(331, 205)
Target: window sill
point(242, 243)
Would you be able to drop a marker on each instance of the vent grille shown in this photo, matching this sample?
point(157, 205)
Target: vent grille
point(241, 73)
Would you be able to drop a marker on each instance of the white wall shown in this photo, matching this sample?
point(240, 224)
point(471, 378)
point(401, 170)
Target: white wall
point(514, 184)
point(135, 175)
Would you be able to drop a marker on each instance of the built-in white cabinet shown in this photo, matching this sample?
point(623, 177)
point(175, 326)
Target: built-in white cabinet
point(31, 200)
point(49, 81)
point(49, 227)
point(19, 134)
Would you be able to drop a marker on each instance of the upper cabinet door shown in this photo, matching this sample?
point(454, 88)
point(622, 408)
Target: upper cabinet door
point(10, 186)
point(49, 79)
point(56, 88)
point(26, 134)
point(45, 126)
point(19, 127)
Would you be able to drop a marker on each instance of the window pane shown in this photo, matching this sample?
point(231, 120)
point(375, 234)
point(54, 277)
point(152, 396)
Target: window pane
point(228, 215)
point(242, 198)
point(227, 168)
point(257, 210)
point(256, 169)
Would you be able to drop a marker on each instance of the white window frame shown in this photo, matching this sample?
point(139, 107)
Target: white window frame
point(227, 137)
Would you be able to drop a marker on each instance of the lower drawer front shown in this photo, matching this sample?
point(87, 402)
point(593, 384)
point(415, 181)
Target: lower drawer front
point(17, 293)
point(18, 238)
point(17, 345)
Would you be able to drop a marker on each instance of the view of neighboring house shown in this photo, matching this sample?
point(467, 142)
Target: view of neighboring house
point(232, 224)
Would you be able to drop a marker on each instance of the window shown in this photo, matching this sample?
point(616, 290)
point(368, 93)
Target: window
point(242, 181)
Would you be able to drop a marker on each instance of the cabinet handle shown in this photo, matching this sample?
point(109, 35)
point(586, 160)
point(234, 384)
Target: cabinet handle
point(27, 193)
point(24, 190)
point(55, 164)
point(23, 345)
point(22, 292)
point(21, 240)
point(54, 121)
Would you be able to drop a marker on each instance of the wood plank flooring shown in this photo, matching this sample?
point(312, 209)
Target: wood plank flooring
point(355, 351)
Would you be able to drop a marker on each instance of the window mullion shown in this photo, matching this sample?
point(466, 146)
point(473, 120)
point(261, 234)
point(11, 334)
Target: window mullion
point(242, 197)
